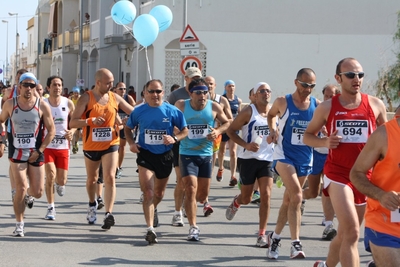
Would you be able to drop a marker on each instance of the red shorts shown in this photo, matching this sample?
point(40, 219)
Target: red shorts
point(359, 198)
point(60, 157)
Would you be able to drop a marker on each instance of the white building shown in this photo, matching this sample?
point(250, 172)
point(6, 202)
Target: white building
point(245, 41)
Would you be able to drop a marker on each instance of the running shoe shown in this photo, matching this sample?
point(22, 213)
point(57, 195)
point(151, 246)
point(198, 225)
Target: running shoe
point(219, 175)
point(109, 221)
point(51, 214)
point(151, 237)
point(91, 215)
point(100, 203)
point(60, 189)
point(233, 181)
point(177, 220)
point(207, 209)
point(329, 233)
point(29, 201)
point(118, 173)
point(273, 244)
point(155, 219)
point(75, 148)
point(323, 222)
point(231, 210)
point(184, 212)
point(262, 241)
point(19, 230)
point(256, 198)
point(303, 206)
point(296, 251)
point(141, 199)
point(193, 234)
point(319, 264)
point(371, 263)
point(13, 192)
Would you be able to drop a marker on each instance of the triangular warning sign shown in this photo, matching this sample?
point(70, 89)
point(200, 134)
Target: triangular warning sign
point(189, 35)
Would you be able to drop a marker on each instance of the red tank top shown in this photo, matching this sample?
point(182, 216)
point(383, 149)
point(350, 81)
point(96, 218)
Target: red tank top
point(385, 175)
point(355, 126)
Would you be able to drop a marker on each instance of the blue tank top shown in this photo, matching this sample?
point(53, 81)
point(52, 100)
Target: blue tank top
point(234, 105)
point(292, 126)
point(198, 123)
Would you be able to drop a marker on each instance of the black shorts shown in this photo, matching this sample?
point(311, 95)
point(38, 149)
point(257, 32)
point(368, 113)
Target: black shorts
point(96, 155)
point(225, 137)
point(175, 150)
point(122, 134)
point(160, 164)
point(252, 169)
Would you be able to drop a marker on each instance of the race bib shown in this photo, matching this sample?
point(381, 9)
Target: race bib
point(101, 134)
point(197, 131)
point(154, 137)
point(297, 136)
point(352, 131)
point(58, 142)
point(25, 140)
point(262, 130)
point(395, 216)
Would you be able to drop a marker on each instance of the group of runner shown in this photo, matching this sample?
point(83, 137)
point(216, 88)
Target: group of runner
point(185, 133)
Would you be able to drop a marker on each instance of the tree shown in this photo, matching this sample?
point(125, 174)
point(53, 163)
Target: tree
point(388, 84)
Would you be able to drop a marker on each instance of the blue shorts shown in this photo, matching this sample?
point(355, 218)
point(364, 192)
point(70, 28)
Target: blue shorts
point(199, 166)
point(379, 239)
point(301, 170)
point(318, 162)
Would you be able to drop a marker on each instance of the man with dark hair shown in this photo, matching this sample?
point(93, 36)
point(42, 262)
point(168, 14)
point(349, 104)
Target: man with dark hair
point(196, 149)
point(157, 120)
point(56, 155)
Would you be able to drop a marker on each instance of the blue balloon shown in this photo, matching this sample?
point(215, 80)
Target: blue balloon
point(145, 29)
point(123, 12)
point(163, 15)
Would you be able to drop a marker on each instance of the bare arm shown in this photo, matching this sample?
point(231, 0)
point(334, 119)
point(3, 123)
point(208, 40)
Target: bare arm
point(131, 101)
point(374, 150)
point(221, 117)
point(48, 123)
point(318, 120)
point(69, 133)
point(276, 109)
point(122, 104)
point(76, 121)
point(241, 119)
point(6, 111)
point(227, 108)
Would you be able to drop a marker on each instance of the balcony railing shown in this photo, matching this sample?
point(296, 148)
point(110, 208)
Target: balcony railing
point(60, 41)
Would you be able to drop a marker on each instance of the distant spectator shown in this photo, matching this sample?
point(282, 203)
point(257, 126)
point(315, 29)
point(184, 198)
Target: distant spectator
point(132, 92)
point(66, 94)
point(175, 86)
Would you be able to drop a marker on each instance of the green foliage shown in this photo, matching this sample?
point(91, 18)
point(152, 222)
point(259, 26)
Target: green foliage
point(388, 84)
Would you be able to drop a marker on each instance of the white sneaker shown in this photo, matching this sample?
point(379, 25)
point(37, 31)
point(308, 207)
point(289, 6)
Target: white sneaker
point(329, 233)
point(273, 244)
point(319, 264)
point(29, 200)
point(231, 210)
point(193, 233)
point(19, 230)
point(296, 251)
point(262, 241)
point(51, 214)
point(91, 215)
point(177, 220)
point(60, 189)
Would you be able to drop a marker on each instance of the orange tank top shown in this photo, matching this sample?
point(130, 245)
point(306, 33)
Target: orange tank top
point(386, 175)
point(101, 137)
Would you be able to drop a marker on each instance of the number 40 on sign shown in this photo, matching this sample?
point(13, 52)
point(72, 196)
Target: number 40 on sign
point(190, 61)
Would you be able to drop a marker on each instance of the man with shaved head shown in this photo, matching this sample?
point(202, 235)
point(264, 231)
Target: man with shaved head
point(96, 113)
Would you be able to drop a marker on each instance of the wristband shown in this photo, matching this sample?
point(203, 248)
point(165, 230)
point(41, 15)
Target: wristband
point(89, 121)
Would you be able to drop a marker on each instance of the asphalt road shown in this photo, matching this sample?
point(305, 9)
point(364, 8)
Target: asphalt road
point(70, 241)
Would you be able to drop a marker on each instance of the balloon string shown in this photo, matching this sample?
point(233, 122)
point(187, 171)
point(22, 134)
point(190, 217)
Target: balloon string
point(148, 65)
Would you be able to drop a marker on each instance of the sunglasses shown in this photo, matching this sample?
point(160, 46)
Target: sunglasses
point(263, 91)
point(121, 88)
point(306, 85)
point(154, 91)
point(199, 92)
point(30, 85)
point(351, 75)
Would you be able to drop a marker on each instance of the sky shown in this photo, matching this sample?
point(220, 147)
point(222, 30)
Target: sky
point(26, 9)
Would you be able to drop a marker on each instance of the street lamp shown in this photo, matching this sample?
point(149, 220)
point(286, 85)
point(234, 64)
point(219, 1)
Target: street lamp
point(16, 40)
point(5, 72)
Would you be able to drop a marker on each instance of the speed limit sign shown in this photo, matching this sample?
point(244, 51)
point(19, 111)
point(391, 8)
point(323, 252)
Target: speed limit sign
point(190, 61)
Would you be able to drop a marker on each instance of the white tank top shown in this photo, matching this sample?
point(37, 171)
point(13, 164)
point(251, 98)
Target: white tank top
point(60, 117)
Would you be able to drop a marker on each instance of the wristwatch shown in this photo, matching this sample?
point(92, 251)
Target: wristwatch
point(175, 138)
